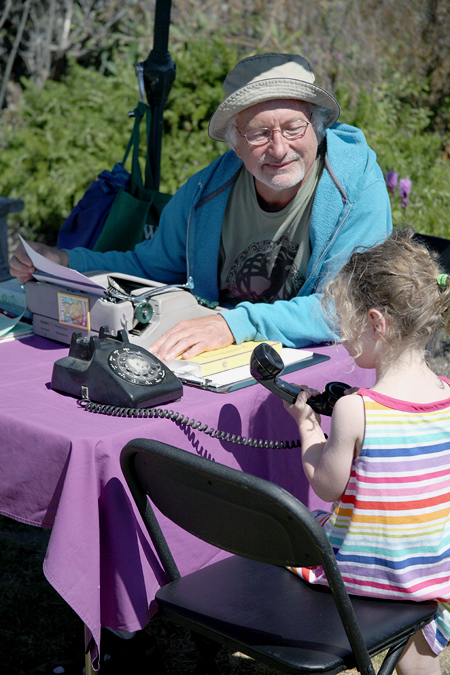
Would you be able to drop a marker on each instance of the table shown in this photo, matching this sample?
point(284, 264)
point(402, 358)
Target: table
point(60, 470)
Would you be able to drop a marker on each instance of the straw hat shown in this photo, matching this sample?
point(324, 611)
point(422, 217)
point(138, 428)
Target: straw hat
point(266, 77)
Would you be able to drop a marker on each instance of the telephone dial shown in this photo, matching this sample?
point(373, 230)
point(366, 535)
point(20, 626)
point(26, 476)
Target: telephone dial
point(109, 369)
point(265, 366)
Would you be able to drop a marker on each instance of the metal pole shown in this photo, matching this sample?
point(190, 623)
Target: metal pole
point(158, 73)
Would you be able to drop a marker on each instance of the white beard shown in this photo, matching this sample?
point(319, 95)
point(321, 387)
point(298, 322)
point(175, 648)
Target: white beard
point(285, 178)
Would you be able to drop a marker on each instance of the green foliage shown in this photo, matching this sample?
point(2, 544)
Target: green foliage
point(399, 132)
point(60, 139)
point(196, 92)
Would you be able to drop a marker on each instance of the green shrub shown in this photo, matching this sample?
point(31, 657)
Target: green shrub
point(398, 132)
point(60, 139)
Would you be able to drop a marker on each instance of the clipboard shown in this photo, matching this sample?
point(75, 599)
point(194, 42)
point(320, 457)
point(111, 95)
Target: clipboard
point(219, 385)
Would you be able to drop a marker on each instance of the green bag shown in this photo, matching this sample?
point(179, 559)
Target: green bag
point(134, 214)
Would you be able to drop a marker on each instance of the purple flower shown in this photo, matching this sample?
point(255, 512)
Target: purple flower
point(391, 180)
point(404, 188)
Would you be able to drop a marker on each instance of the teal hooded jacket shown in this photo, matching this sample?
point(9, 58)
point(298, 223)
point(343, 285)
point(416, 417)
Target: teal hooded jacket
point(351, 208)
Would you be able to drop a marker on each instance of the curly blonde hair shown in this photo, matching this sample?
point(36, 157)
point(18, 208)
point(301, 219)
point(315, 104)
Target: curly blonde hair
point(398, 278)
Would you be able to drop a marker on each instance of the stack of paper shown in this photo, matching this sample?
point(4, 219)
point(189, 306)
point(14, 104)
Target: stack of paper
point(218, 360)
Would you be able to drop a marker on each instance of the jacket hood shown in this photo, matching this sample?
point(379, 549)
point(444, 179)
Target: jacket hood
point(349, 159)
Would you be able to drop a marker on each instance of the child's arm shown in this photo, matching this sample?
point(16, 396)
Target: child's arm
point(327, 463)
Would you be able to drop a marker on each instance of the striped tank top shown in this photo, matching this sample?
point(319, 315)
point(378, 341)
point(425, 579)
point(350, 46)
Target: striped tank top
point(390, 530)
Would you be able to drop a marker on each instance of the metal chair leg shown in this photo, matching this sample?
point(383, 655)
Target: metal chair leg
point(87, 659)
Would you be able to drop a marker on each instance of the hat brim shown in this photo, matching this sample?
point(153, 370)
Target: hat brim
point(270, 90)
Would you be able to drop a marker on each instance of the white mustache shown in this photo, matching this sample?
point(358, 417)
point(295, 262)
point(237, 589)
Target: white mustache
point(290, 157)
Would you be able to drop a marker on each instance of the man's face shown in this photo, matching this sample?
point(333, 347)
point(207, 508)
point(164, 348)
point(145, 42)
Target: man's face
point(279, 165)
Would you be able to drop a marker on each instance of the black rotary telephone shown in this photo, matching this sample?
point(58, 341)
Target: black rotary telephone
point(265, 366)
point(109, 369)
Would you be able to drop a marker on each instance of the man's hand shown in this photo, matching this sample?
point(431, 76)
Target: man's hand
point(192, 337)
point(21, 266)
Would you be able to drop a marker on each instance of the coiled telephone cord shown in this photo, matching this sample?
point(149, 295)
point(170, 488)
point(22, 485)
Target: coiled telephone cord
point(117, 411)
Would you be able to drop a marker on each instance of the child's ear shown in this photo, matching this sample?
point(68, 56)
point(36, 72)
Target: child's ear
point(377, 321)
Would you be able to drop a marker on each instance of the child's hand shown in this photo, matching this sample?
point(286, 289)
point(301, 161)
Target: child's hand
point(300, 410)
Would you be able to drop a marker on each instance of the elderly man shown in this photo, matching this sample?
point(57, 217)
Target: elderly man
point(268, 222)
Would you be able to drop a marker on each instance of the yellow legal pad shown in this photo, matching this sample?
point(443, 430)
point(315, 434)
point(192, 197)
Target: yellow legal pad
point(218, 360)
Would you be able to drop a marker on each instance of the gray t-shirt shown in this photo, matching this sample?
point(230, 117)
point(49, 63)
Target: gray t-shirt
point(264, 255)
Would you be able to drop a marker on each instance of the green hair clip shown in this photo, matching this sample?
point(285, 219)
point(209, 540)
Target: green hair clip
point(442, 280)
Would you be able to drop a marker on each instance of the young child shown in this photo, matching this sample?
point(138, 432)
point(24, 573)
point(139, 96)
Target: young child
point(386, 462)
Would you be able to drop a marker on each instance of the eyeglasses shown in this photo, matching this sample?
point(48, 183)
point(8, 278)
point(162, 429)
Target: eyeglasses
point(291, 132)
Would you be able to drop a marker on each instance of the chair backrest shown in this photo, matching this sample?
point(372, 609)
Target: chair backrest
point(236, 512)
point(232, 510)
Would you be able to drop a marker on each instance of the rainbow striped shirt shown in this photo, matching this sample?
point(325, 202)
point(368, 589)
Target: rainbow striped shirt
point(390, 530)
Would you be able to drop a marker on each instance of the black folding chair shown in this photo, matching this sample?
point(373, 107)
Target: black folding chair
point(250, 602)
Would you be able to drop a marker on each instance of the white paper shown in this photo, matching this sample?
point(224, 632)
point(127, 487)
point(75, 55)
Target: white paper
point(51, 272)
point(10, 317)
point(7, 323)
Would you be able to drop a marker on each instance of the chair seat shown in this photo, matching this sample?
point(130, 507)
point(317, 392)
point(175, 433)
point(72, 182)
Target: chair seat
point(232, 600)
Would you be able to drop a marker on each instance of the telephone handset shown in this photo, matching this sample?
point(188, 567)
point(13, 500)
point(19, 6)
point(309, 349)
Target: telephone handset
point(109, 369)
point(265, 366)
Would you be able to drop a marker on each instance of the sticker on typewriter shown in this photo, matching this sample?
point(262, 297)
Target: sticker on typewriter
point(73, 310)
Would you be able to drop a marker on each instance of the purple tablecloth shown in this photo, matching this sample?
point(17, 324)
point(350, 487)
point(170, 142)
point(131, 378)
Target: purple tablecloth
point(60, 469)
